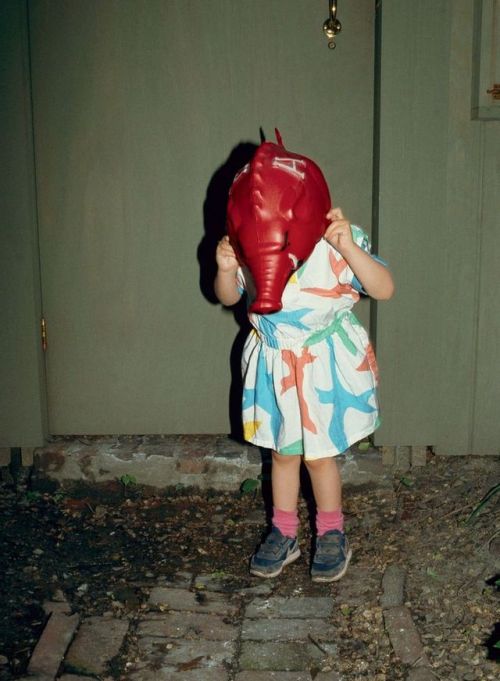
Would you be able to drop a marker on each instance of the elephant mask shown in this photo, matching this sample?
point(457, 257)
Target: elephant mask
point(276, 214)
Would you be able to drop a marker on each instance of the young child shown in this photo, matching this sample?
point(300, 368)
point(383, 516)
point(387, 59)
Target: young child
point(310, 381)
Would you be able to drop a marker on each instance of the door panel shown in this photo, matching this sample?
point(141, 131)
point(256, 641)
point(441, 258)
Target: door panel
point(438, 339)
point(22, 386)
point(137, 107)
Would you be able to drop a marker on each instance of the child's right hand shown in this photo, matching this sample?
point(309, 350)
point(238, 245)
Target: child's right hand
point(339, 233)
point(225, 256)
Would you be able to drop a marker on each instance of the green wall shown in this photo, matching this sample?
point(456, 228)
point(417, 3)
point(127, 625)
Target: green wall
point(110, 171)
point(438, 227)
point(137, 108)
point(22, 404)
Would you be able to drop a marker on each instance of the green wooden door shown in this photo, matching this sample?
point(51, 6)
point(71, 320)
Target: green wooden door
point(437, 340)
point(137, 107)
point(22, 408)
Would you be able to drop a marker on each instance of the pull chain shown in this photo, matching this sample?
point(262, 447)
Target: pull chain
point(332, 25)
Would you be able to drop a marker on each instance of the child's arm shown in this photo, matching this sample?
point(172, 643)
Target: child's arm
point(374, 277)
point(225, 286)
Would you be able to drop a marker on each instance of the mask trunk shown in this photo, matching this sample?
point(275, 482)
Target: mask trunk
point(270, 273)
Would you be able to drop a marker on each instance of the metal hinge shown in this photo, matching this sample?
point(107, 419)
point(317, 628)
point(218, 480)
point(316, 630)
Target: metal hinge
point(494, 91)
point(43, 330)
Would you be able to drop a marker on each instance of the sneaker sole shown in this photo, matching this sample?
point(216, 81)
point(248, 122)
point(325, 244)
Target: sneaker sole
point(269, 575)
point(335, 578)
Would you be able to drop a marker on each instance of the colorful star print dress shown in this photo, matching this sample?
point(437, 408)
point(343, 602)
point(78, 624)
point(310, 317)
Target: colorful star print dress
point(309, 370)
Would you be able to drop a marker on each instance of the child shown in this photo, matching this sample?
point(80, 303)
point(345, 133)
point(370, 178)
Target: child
point(309, 386)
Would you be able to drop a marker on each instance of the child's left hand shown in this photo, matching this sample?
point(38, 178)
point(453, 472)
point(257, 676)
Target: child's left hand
point(338, 233)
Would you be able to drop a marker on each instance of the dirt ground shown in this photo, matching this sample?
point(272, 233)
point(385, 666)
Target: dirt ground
point(102, 551)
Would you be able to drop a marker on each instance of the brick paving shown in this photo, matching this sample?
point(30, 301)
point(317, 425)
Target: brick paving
point(400, 627)
point(404, 636)
point(192, 630)
point(51, 648)
point(97, 641)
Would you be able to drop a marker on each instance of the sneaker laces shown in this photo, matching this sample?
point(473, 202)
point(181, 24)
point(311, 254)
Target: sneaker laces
point(330, 544)
point(274, 544)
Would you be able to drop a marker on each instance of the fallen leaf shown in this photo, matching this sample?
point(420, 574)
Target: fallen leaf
point(192, 664)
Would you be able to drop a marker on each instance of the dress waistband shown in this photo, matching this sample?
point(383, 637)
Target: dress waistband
point(316, 336)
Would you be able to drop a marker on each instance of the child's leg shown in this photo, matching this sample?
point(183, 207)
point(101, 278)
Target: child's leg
point(326, 483)
point(285, 480)
point(332, 554)
point(281, 546)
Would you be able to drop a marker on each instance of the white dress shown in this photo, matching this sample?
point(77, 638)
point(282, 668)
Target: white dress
point(309, 371)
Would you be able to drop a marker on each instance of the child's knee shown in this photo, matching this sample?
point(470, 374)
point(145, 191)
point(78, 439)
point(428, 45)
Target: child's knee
point(320, 464)
point(286, 459)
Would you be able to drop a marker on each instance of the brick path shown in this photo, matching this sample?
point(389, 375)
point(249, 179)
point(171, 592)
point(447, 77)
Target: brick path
point(193, 630)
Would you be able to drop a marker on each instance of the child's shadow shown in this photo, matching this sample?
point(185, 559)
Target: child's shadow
point(214, 219)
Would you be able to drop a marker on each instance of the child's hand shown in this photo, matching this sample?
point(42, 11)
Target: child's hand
point(225, 256)
point(338, 233)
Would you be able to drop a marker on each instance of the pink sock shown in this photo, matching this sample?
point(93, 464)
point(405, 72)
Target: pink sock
point(287, 522)
point(329, 520)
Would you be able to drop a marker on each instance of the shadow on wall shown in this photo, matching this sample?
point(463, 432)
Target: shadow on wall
point(214, 219)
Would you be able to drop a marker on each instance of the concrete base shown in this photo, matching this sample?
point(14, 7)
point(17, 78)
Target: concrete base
point(158, 462)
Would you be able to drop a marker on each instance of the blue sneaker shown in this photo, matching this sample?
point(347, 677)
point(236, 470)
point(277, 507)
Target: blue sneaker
point(273, 554)
point(331, 557)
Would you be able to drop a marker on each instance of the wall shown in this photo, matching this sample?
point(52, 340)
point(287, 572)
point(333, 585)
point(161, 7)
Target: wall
point(22, 405)
point(138, 110)
point(438, 227)
point(437, 341)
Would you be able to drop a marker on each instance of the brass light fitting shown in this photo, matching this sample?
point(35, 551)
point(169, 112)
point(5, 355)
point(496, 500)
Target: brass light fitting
point(332, 25)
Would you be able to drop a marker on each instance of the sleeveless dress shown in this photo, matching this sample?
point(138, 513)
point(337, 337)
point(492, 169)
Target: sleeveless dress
point(309, 370)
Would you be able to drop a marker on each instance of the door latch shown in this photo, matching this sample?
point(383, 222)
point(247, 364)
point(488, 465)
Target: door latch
point(494, 91)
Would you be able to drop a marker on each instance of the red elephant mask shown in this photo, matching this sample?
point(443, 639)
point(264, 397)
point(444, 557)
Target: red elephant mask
point(276, 214)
